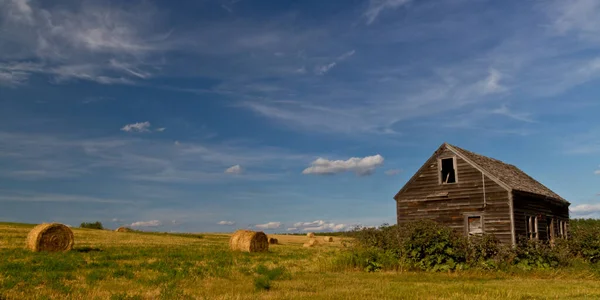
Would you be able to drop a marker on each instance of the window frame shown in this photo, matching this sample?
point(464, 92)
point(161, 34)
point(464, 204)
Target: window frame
point(481, 219)
point(454, 164)
point(532, 225)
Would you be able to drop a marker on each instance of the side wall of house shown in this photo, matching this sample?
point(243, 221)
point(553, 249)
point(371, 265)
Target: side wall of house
point(423, 198)
point(546, 210)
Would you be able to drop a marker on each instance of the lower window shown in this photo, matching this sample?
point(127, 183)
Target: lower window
point(474, 225)
point(532, 227)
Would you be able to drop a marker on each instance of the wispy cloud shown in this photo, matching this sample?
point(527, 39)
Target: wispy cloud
point(377, 6)
point(269, 225)
point(91, 41)
point(229, 223)
point(39, 157)
point(505, 111)
point(11, 196)
point(237, 169)
point(360, 166)
point(597, 172)
point(321, 70)
point(137, 127)
point(152, 223)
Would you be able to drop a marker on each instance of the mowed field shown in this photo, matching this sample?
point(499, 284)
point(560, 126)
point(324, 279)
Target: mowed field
point(114, 265)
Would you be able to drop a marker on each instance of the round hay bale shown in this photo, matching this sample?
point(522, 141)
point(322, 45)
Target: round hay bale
point(123, 229)
point(328, 239)
point(273, 241)
point(53, 237)
point(249, 241)
point(310, 235)
point(311, 243)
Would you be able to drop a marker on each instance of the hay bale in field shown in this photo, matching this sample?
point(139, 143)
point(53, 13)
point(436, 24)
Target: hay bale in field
point(310, 235)
point(328, 239)
point(273, 241)
point(52, 237)
point(123, 229)
point(249, 241)
point(311, 243)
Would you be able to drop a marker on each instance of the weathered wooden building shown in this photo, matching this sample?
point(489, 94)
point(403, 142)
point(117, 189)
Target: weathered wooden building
point(476, 194)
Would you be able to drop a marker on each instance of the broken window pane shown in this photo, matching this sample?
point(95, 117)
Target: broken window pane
point(448, 171)
point(475, 226)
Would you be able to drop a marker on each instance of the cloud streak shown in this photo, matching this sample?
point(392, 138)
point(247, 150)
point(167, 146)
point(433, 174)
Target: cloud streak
point(228, 223)
point(269, 225)
point(137, 127)
point(360, 166)
point(377, 6)
point(152, 223)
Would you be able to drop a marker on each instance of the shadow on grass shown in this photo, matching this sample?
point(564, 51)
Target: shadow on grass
point(87, 249)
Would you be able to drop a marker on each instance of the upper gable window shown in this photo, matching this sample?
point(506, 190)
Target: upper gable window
point(448, 170)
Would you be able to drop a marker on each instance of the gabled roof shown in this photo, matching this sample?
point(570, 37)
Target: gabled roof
point(504, 174)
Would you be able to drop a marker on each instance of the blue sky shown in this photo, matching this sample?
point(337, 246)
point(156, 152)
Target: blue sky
point(277, 115)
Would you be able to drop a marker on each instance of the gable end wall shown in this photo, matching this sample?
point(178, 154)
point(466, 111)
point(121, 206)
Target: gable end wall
point(418, 199)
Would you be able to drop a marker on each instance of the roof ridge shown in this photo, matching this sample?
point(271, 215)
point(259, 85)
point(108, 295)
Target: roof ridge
point(508, 174)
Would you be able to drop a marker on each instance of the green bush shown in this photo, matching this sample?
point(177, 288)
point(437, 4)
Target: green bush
point(386, 237)
point(584, 239)
point(430, 246)
point(95, 225)
point(427, 245)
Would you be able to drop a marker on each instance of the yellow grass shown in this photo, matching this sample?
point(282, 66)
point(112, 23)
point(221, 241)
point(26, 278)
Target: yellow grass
point(105, 264)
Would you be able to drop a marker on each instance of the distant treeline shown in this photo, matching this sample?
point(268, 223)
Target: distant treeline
point(95, 225)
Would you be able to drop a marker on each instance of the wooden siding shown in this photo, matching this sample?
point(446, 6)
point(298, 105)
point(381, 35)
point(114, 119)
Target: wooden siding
point(532, 205)
point(425, 198)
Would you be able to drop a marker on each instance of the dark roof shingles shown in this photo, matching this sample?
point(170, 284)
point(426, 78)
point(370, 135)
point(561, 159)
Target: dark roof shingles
point(509, 174)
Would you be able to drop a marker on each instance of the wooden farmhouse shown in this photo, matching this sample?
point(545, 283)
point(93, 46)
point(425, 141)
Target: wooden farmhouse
point(476, 194)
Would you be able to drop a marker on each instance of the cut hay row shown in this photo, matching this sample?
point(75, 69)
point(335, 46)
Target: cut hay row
point(52, 237)
point(249, 241)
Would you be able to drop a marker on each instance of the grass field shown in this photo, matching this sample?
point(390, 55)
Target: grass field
point(111, 265)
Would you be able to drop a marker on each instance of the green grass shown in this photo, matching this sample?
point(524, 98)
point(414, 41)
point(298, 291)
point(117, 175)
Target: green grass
point(111, 265)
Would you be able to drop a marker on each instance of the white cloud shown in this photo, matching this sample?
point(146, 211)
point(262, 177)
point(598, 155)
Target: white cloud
point(226, 223)
point(360, 166)
point(237, 169)
point(377, 6)
point(292, 229)
point(392, 172)
point(161, 129)
point(597, 172)
point(270, 225)
point(320, 225)
point(153, 223)
point(137, 127)
point(584, 209)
